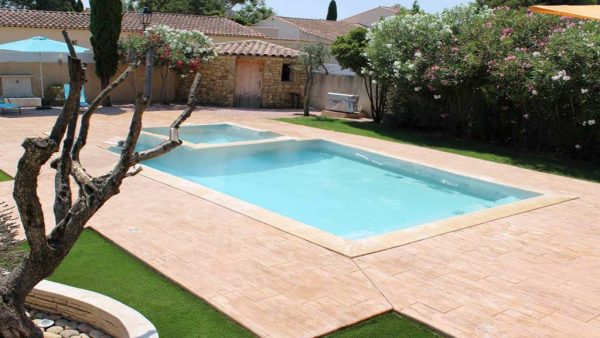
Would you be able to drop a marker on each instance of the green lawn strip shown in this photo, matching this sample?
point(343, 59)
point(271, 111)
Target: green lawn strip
point(96, 264)
point(545, 162)
point(388, 325)
point(4, 176)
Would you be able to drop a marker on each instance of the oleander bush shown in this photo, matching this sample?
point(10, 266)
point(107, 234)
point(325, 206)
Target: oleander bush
point(501, 75)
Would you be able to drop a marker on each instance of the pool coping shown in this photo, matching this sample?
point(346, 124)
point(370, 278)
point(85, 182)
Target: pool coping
point(347, 247)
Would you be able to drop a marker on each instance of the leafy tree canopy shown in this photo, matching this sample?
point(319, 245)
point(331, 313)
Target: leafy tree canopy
point(349, 50)
point(253, 12)
point(526, 3)
point(197, 7)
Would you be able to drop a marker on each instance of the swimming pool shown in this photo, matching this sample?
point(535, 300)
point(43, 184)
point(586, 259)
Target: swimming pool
point(345, 191)
point(220, 133)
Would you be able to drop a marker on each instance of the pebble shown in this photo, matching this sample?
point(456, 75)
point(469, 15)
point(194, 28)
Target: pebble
point(51, 335)
point(83, 327)
point(96, 334)
point(43, 323)
point(69, 333)
point(55, 329)
point(72, 325)
point(83, 335)
point(40, 315)
point(61, 322)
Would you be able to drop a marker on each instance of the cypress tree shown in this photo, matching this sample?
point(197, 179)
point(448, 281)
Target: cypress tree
point(332, 11)
point(416, 8)
point(105, 26)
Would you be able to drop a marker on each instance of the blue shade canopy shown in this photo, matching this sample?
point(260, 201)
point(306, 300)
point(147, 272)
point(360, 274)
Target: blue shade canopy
point(39, 44)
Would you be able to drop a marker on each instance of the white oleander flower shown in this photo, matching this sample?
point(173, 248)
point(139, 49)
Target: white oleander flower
point(437, 97)
point(577, 146)
point(417, 89)
point(584, 90)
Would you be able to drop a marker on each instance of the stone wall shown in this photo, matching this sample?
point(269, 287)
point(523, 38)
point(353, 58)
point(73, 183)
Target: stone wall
point(218, 80)
point(218, 83)
point(276, 93)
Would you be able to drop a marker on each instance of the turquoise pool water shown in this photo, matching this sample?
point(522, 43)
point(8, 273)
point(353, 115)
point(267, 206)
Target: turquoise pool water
point(215, 133)
point(342, 190)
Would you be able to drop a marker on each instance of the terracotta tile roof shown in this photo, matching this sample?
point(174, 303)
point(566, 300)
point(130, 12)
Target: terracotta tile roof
point(322, 28)
point(214, 26)
point(255, 48)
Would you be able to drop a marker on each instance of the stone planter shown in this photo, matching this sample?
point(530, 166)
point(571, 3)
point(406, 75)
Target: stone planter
point(105, 313)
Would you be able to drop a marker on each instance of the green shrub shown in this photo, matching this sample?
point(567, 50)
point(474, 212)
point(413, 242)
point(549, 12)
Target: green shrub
point(498, 74)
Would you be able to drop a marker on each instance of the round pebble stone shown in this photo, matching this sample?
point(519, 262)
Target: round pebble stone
point(96, 334)
point(55, 329)
point(61, 322)
point(83, 335)
point(40, 315)
point(83, 327)
point(51, 335)
point(69, 333)
point(72, 325)
point(43, 323)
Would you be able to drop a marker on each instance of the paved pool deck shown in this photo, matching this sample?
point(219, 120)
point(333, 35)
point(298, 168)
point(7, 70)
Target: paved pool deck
point(535, 274)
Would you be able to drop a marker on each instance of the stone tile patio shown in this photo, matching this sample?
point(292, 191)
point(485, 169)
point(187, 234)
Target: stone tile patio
point(535, 274)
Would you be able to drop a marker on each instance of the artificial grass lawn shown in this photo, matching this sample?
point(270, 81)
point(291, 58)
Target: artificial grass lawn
point(4, 176)
point(545, 162)
point(388, 325)
point(98, 265)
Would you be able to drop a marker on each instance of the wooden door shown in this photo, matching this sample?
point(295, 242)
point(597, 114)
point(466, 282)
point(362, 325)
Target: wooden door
point(248, 83)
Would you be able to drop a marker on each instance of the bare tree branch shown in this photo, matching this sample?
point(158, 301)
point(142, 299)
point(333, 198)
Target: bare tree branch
point(85, 119)
point(63, 198)
point(174, 140)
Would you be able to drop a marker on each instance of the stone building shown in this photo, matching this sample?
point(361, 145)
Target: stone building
point(253, 74)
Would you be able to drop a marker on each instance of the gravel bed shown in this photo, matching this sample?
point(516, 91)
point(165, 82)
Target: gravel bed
point(57, 326)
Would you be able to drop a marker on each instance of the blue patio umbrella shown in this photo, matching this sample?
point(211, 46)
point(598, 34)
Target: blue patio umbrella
point(39, 45)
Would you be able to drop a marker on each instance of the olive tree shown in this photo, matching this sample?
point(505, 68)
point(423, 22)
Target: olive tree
point(71, 212)
point(311, 61)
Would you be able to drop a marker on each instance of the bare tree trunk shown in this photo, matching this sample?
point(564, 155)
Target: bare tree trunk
point(48, 251)
point(307, 88)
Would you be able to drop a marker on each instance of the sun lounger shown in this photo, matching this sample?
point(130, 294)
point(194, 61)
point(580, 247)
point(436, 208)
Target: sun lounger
point(82, 99)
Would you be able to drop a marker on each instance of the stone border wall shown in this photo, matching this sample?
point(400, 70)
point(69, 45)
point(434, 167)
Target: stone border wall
point(105, 313)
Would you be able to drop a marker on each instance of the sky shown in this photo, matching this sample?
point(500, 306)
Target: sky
point(317, 9)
